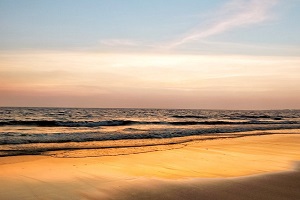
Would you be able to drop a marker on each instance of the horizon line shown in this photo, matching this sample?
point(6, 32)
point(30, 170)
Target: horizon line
point(148, 108)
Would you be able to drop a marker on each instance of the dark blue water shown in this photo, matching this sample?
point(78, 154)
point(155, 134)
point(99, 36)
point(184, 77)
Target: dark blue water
point(37, 126)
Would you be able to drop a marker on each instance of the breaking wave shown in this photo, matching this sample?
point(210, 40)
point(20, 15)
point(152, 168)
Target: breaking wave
point(46, 123)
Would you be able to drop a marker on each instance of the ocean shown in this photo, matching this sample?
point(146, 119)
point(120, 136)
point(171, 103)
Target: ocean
point(80, 132)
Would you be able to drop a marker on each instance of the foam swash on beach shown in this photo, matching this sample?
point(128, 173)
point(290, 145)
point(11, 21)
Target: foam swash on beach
point(39, 130)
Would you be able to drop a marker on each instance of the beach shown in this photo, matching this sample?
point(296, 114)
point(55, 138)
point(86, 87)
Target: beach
point(149, 100)
point(263, 165)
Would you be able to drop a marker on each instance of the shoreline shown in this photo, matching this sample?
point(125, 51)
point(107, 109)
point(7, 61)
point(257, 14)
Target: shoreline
point(202, 168)
point(124, 146)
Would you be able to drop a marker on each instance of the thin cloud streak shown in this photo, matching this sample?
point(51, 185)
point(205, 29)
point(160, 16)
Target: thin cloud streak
point(97, 79)
point(236, 13)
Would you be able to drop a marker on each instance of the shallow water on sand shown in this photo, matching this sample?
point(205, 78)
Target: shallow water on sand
point(39, 130)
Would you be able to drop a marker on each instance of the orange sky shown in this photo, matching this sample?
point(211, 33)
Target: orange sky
point(156, 80)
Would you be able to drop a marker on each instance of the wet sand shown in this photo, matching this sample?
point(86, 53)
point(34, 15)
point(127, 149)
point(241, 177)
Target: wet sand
point(253, 167)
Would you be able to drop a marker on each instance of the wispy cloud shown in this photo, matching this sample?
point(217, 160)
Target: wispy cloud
point(234, 14)
point(119, 42)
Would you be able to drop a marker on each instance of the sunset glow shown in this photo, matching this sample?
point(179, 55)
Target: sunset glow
point(199, 67)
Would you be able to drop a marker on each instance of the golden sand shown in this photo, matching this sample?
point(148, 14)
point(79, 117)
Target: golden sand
point(184, 170)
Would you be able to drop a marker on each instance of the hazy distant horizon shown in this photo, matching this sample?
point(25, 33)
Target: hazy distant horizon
point(149, 108)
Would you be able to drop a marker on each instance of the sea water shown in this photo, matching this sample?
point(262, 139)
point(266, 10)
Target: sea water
point(39, 130)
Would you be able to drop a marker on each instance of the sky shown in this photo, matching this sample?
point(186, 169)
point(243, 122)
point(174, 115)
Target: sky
point(210, 54)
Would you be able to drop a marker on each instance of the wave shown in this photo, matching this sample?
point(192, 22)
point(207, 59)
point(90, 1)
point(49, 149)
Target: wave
point(99, 135)
point(189, 116)
point(46, 123)
point(260, 117)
